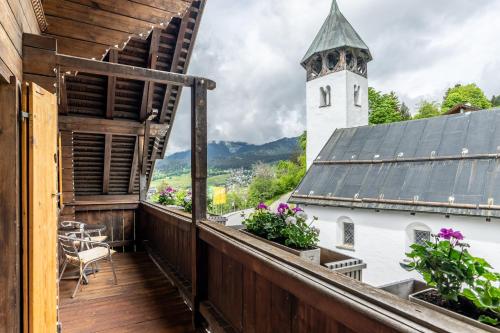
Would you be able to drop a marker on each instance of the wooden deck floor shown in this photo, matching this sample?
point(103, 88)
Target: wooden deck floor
point(143, 300)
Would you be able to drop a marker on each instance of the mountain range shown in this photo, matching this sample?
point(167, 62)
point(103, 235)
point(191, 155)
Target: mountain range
point(233, 155)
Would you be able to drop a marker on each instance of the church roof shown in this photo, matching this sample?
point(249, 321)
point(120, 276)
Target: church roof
point(336, 32)
point(448, 164)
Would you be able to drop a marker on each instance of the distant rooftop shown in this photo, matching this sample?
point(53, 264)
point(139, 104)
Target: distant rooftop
point(335, 33)
point(448, 164)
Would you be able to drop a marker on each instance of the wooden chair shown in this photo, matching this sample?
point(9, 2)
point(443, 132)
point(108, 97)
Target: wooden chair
point(75, 256)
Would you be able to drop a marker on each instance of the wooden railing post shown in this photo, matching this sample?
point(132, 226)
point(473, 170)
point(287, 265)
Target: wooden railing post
point(199, 192)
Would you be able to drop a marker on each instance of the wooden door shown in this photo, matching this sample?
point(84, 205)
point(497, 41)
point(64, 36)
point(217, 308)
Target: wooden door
point(40, 195)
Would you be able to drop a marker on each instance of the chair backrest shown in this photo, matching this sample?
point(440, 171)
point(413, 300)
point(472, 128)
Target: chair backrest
point(68, 245)
point(74, 224)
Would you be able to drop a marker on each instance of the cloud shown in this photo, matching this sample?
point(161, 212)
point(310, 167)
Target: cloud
point(252, 49)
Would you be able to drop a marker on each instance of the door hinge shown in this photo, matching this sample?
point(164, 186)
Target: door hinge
point(23, 115)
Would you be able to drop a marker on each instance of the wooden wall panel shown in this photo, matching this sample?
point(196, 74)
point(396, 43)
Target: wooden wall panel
point(120, 224)
point(16, 17)
point(169, 235)
point(9, 209)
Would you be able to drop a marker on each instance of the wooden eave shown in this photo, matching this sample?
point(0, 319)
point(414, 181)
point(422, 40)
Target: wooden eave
point(89, 28)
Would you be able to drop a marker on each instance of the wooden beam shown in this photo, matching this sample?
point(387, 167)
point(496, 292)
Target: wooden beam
point(10, 281)
point(63, 95)
point(145, 149)
point(110, 106)
point(126, 72)
point(105, 199)
point(134, 167)
point(147, 94)
point(175, 63)
point(200, 12)
point(103, 126)
point(199, 173)
point(107, 162)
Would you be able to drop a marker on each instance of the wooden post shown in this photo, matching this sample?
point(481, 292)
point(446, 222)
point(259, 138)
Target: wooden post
point(199, 189)
point(110, 104)
point(10, 283)
point(107, 162)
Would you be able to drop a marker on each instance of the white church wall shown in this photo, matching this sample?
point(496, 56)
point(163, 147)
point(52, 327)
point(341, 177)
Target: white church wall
point(323, 120)
point(358, 115)
point(382, 238)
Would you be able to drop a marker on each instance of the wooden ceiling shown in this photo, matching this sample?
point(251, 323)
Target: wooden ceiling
point(89, 28)
point(105, 115)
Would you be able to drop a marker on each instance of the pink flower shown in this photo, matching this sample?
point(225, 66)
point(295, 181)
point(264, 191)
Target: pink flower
point(445, 233)
point(457, 235)
point(262, 206)
point(282, 208)
point(297, 210)
point(449, 234)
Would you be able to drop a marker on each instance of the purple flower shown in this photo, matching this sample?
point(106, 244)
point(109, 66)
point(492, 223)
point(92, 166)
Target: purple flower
point(262, 206)
point(282, 208)
point(445, 233)
point(449, 234)
point(170, 190)
point(297, 210)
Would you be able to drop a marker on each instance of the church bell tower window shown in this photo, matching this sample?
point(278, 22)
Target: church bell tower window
point(325, 94)
point(357, 95)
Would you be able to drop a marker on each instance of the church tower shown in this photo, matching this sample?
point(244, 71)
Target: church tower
point(337, 84)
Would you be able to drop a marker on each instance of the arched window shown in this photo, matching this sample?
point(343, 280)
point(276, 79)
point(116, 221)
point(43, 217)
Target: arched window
point(332, 60)
point(417, 233)
point(325, 95)
point(346, 235)
point(357, 95)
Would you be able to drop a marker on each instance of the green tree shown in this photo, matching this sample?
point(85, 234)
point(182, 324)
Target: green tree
point(272, 181)
point(469, 93)
point(427, 110)
point(405, 112)
point(385, 108)
point(495, 101)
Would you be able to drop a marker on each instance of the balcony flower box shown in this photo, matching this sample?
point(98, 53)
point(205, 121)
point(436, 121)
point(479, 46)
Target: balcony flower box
point(313, 255)
point(430, 297)
point(288, 229)
point(465, 287)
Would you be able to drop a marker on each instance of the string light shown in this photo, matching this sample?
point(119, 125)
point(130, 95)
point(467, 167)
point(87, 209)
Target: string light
point(141, 35)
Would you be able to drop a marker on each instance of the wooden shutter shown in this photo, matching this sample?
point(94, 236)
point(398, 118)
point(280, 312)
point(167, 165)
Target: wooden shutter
point(40, 196)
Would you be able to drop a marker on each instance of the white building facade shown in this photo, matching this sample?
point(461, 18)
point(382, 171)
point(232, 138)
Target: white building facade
point(381, 239)
point(376, 190)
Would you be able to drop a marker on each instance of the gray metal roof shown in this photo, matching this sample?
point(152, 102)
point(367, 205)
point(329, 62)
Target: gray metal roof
point(336, 32)
point(448, 164)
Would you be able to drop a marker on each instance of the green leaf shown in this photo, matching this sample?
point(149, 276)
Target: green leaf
point(488, 320)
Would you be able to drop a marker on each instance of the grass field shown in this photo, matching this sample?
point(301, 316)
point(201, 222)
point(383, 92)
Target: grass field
point(184, 181)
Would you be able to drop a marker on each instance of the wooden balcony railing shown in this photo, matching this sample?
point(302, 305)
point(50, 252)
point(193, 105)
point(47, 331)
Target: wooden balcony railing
point(245, 285)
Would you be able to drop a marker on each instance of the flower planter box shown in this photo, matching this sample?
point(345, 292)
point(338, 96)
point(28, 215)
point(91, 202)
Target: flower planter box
point(313, 255)
point(414, 298)
point(403, 289)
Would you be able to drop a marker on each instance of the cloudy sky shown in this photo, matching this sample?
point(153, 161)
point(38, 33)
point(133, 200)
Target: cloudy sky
point(252, 49)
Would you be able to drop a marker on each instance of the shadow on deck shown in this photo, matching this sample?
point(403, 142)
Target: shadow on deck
point(143, 300)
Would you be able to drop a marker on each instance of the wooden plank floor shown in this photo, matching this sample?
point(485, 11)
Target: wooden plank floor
point(143, 300)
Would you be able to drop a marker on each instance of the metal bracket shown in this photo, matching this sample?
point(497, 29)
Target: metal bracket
point(23, 115)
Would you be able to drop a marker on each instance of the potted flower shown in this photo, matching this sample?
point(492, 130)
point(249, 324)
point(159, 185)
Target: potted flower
point(168, 197)
point(185, 201)
point(464, 286)
point(287, 228)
